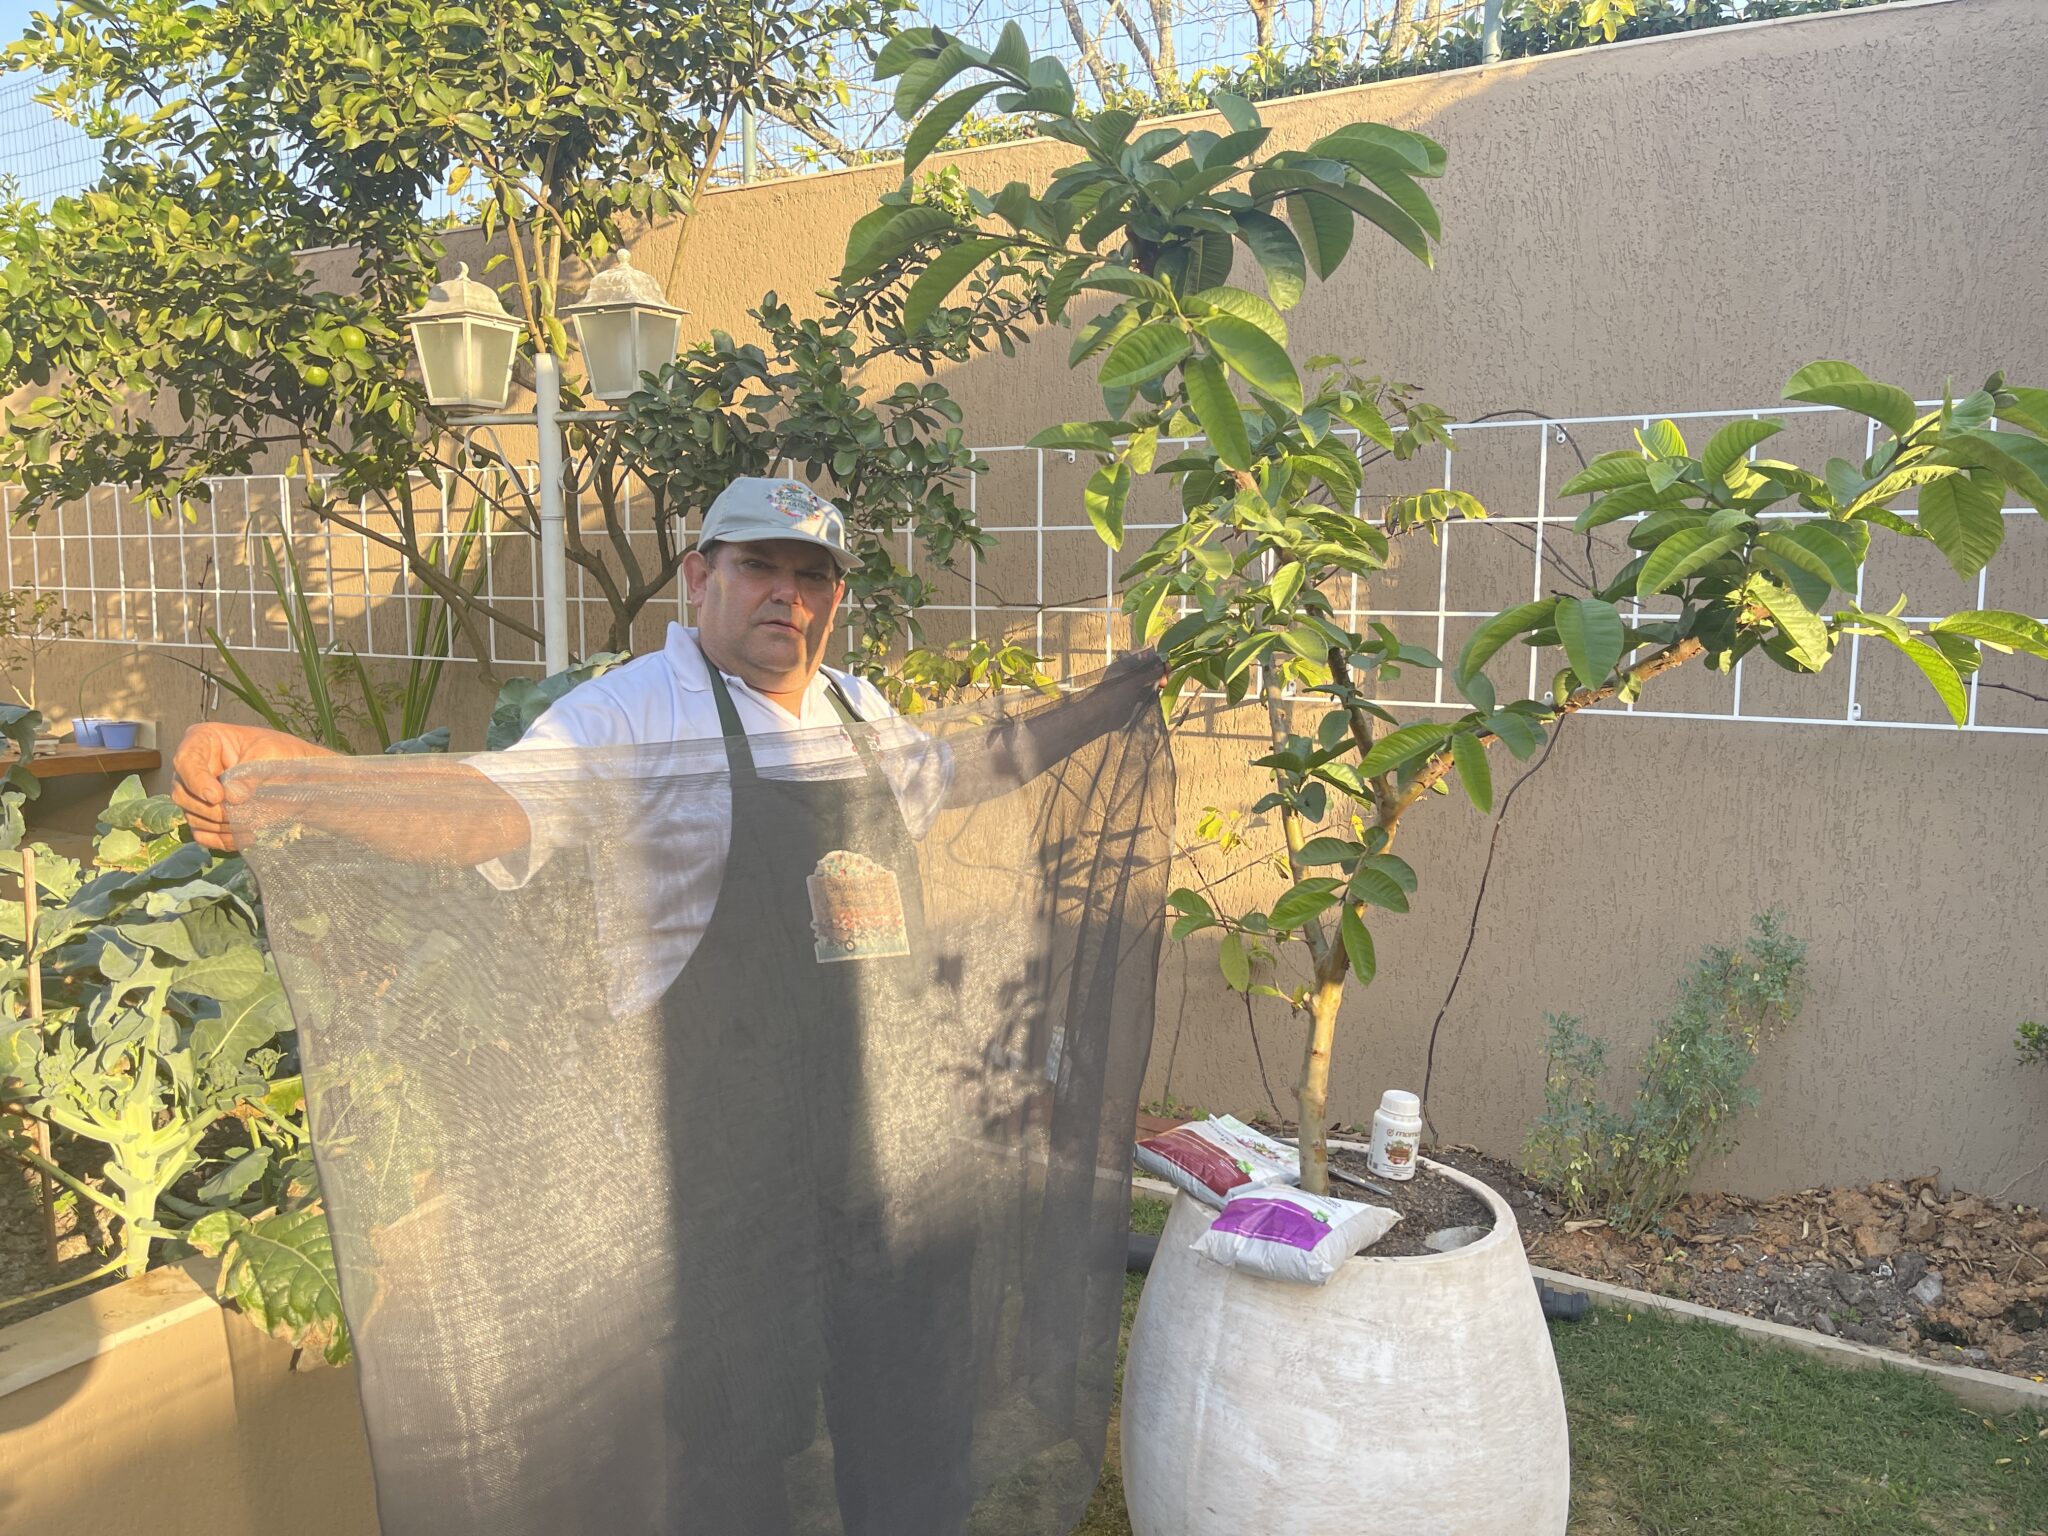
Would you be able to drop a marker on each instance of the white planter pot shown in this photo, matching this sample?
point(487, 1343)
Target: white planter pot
point(1406, 1395)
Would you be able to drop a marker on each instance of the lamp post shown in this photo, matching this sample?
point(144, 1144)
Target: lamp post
point(465, 341)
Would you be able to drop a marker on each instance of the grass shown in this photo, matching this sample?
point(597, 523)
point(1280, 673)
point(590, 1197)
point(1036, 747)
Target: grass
point(1685, 1429)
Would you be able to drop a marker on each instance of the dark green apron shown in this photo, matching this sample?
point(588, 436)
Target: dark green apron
point(804, 961)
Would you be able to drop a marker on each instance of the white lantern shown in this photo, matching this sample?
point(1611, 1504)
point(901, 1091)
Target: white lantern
point(464, 340)
point(626, 327)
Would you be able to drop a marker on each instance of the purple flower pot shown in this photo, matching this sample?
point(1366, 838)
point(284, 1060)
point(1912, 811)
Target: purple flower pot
point(119, 735)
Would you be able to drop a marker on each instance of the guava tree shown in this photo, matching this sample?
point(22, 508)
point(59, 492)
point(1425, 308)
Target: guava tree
point(1730, 553)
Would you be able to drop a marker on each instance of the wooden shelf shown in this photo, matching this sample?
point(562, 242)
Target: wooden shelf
point(68, 760)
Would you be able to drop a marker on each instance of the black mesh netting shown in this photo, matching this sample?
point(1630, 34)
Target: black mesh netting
point(745, 1150)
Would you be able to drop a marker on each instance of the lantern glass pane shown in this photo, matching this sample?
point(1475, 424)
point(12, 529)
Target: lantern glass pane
point(490, 351)
point(443, 359)
point(656, 337)
point(606, 336)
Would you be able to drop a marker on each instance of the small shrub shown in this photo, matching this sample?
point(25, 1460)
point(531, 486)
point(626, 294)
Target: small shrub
point(2032, 1042)
point(1630, 1167)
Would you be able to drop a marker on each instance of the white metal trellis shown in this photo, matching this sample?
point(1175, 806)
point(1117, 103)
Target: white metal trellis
point(168, 582)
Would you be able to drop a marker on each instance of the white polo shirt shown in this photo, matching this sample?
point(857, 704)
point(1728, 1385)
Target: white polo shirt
point(680, 837)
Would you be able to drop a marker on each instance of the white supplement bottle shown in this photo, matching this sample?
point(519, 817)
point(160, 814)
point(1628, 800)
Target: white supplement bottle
point(1396, 1133)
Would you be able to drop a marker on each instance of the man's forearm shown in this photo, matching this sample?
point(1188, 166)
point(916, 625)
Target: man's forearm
point(431, 811)
point(1021, 749)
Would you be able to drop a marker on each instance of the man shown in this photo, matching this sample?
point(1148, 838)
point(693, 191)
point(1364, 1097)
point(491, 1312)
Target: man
point(785, 937)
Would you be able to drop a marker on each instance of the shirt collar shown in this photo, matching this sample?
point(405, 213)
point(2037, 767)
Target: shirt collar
point(693, 667)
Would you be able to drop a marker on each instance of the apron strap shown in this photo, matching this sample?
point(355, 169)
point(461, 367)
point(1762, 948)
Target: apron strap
point(858, 728)
point(739, 753)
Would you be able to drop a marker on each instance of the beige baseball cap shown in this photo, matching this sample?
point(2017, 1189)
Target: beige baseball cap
point(756, 508)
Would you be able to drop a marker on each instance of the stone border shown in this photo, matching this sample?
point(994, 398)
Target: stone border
point(1986, 1391)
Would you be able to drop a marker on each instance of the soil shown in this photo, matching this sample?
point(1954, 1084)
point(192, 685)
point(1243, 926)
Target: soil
point(1904, 1264)
point(24, 1261)
point(1954, 1277)
point(1428, 1203)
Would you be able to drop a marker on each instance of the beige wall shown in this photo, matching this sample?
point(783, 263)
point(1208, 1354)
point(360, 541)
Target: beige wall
point(1677, 224)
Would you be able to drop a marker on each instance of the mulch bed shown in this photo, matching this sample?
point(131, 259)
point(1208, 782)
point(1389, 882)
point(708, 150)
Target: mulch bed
point(1958, 1277)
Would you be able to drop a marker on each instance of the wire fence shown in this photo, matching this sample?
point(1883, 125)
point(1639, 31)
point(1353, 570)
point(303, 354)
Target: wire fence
point(1049, 583)
point(1155, 55)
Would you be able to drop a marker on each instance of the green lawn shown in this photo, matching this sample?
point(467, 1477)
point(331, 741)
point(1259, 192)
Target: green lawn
point(1684, 1429)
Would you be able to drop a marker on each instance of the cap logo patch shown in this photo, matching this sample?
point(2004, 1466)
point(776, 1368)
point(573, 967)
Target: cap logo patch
point(809, 511)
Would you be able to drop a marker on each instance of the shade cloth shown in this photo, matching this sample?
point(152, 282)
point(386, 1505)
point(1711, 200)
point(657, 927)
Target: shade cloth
point(813, 1222)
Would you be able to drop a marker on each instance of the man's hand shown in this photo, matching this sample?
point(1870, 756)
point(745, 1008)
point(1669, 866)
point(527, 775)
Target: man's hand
point(206, 753)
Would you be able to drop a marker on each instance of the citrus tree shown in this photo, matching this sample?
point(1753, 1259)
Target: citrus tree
point(1732, 552)
point(159, 329)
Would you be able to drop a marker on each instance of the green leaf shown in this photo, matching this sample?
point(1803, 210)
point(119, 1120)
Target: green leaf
point(1216, 408)
point(1236, 964)
point(1244, 305)
point(1468, 752)
point(1389, 216)
point(1683, 554)
point(1104, 496)
point(1239, 113)
point(1092, 435)
point(1278, 254)
point(1307, 899)
point(885, 241)
point(1145, 354)
point(1519, 734)
point(1328, 850)
point(925, 77)
point(1398, 747)
point(941, 120)
point(1608, 472)
point(1012, 53)
point(279, 1269)
point(1806, 633)
point(1324, 227)
point(1849, 388)
point(1999, 629)
point(1662, 440)
point(1728, 446)
point(1591, 632)
point(1399, 870)
point(1253, 356)
point(1939, 671)
point(1358, 947)
point(1132, 285)
point(229, 1184)
point(1624, 501)
point(1817, 548)
point(1964, 516)
point(948, 270)
point(1380, 888)
point(1359, 144)
point(1499, 630)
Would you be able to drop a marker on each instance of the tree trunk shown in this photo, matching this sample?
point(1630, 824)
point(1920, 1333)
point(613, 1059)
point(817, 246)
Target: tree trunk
point(1314, 1093)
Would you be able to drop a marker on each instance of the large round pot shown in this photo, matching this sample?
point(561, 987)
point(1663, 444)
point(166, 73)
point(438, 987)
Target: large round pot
point(1406, 1395)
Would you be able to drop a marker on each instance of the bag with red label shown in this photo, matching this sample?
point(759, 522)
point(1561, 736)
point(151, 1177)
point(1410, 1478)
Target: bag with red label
point(1210, 1158)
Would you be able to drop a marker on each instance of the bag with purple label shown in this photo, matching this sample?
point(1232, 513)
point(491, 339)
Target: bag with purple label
point(1284, 1234)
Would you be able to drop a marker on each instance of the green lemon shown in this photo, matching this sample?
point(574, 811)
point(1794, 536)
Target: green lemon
point(314, 376)
point(352, 338)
